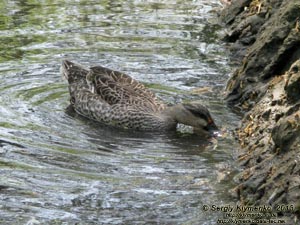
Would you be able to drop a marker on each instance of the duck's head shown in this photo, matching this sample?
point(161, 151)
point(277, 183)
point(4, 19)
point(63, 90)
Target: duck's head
point(196, 115)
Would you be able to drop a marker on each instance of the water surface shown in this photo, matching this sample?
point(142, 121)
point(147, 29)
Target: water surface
point(58, 168)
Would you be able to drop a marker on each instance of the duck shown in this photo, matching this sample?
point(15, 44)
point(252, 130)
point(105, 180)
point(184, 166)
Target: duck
point(115, 98)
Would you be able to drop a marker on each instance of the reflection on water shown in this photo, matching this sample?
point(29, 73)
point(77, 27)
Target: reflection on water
point(58, 168)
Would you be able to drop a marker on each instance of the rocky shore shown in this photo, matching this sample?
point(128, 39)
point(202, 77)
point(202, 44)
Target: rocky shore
point(265, 37)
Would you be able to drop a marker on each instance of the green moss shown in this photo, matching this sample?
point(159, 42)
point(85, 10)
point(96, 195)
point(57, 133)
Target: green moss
point(93, 176)
point(15, 165)
point(161, 87)
point(7, 125)
point(50, 97)
point(31, 92)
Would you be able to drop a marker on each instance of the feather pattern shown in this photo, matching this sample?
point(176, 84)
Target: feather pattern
point(115, 98)
point(118, 88)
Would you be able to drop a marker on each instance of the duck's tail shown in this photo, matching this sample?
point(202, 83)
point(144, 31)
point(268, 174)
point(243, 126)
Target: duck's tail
point(73, 72)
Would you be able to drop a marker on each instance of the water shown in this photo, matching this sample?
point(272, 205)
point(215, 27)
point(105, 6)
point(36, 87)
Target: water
point(58, 168)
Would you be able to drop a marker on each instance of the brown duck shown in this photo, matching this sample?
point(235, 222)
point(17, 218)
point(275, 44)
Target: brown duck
point(114, 98)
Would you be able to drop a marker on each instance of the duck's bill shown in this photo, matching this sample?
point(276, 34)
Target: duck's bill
point(209, 130)
point(213, 130)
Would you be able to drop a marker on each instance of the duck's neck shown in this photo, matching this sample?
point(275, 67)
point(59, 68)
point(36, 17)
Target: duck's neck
point(172, 113)
point(179, 114)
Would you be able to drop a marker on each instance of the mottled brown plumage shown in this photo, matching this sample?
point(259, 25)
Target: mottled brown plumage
point(114, 98)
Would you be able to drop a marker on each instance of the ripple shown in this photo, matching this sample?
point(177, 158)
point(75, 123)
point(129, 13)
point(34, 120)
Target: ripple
point(58, 167)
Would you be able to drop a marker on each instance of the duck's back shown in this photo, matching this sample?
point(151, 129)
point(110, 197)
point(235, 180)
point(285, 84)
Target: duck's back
point(118, 88)
point(113, 98)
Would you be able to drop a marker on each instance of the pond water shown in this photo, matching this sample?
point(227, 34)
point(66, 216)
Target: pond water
point(58, 168)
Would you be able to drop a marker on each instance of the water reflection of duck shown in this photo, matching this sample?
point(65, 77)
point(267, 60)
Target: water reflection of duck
point(117, 99)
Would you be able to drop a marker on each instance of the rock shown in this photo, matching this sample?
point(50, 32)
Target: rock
point(245, 31)
point(292, 87)
point(266, 114)
point(286, 133)
point(273, 52)
point(228, 15)
point(267, 86)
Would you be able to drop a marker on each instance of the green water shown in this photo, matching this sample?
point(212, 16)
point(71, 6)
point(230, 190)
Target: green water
point(58, 168)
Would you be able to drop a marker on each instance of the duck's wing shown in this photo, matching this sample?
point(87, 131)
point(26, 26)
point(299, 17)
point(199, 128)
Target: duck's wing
point(119, 88)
